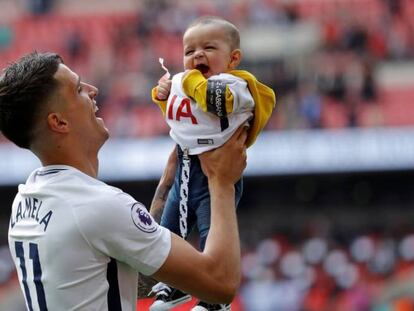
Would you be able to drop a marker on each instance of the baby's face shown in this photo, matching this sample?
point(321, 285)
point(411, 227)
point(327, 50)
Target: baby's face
point(207, 48)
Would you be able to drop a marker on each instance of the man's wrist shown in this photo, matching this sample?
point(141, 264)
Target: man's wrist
point(156, 210)
point(161, 192)
point(220, 187)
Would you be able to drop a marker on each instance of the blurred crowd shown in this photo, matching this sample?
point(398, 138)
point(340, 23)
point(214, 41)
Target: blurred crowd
point(371, 272)
point(118, 51)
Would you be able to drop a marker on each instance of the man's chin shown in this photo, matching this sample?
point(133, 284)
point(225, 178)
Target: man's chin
point(104, 129)
point(106, 134)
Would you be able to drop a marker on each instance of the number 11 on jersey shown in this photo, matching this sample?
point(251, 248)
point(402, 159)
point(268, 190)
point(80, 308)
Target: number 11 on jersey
point(37, 275)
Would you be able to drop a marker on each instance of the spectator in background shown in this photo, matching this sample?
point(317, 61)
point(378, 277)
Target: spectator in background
point(6, 37)
point(40, 7)
point(310, 104)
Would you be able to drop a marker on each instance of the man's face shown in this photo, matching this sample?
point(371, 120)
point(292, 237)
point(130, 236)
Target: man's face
point(206, 48)
point(78, 106)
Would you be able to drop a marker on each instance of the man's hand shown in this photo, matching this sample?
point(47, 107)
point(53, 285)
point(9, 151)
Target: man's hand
point(226, 163)
point(163, 88)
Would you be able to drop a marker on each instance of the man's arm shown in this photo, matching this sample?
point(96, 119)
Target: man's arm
point(164, 186)
point(145, 283)
point(213, 275)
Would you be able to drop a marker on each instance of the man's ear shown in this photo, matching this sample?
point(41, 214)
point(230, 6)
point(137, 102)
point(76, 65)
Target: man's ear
point(235, 59)
point(57, 123)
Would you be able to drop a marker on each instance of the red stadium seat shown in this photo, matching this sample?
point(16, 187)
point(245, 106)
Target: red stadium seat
point(397, 106)
point(334, 114)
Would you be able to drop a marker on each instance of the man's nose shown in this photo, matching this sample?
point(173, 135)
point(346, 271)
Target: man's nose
point(93, 91)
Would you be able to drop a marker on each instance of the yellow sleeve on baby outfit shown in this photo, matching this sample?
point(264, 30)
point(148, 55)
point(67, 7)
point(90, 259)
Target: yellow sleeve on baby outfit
point(264, 103)
point(161, 103)
point(195, 86)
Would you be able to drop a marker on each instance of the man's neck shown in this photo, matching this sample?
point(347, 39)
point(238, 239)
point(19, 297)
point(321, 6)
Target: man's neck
point(88, 165)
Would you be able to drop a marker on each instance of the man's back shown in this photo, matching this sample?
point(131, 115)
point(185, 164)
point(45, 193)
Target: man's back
point(62, 236)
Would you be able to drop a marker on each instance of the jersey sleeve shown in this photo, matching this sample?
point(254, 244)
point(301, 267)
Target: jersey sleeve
point(264, 99)
point(205, 92)
point(121, 228)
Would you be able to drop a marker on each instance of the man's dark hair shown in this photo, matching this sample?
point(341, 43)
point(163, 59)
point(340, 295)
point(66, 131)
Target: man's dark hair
point(25, 86)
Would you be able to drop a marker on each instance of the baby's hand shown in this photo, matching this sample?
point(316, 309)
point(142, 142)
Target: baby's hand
point(163, 88)
point(164, 84)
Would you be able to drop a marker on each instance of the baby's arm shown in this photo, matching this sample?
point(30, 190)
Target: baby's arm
point(216, 93)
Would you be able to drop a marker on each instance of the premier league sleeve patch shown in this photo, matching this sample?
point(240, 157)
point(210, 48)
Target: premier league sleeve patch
point(142, 219)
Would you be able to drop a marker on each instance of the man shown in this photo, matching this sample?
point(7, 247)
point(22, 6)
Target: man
point(78, 243)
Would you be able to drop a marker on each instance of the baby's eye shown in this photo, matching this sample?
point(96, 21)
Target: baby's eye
point(209, 47)
point(189, 52)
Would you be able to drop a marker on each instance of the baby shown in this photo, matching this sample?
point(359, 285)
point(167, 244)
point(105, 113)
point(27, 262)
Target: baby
point(204, 106)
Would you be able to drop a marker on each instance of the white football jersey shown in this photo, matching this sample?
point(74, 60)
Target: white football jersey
point(78, 243)
point(200, 131)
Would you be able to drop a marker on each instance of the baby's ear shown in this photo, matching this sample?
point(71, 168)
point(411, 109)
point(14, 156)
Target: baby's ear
point(235, 59)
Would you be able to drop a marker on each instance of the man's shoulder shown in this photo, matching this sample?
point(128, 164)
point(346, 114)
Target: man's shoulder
point(70, 183)
point(96, 204)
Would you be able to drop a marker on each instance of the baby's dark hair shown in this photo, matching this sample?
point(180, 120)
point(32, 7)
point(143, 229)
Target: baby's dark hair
point(232, 31)
point(25, 86)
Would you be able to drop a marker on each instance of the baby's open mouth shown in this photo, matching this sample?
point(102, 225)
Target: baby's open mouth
point(202, 68)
